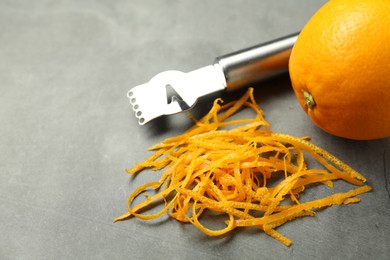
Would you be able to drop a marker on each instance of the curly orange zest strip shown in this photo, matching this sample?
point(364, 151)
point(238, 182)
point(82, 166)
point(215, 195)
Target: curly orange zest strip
point(239, 169)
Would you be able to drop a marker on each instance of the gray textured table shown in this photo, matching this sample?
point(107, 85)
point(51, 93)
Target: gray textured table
point(67, 131)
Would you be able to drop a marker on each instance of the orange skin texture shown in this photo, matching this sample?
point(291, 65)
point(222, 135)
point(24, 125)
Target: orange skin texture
point(342, 57)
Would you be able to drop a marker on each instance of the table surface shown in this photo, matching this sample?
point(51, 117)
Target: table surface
point(68, 133)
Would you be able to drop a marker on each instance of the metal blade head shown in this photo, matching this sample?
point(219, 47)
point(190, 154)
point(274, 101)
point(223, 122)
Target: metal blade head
point(150, 100)
point(171, 92)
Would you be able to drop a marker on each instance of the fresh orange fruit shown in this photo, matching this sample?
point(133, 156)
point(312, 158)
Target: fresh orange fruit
point(340, 68)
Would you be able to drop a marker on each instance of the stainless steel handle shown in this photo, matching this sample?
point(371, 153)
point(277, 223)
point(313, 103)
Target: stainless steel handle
point(256, 63)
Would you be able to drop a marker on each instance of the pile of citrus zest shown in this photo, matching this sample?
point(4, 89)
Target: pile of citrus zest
point(224, 165)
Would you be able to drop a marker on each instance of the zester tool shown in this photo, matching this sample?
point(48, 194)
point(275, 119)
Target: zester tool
point(172, 91)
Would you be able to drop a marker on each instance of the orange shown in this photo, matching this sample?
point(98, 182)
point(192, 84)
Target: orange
point(340, 68)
